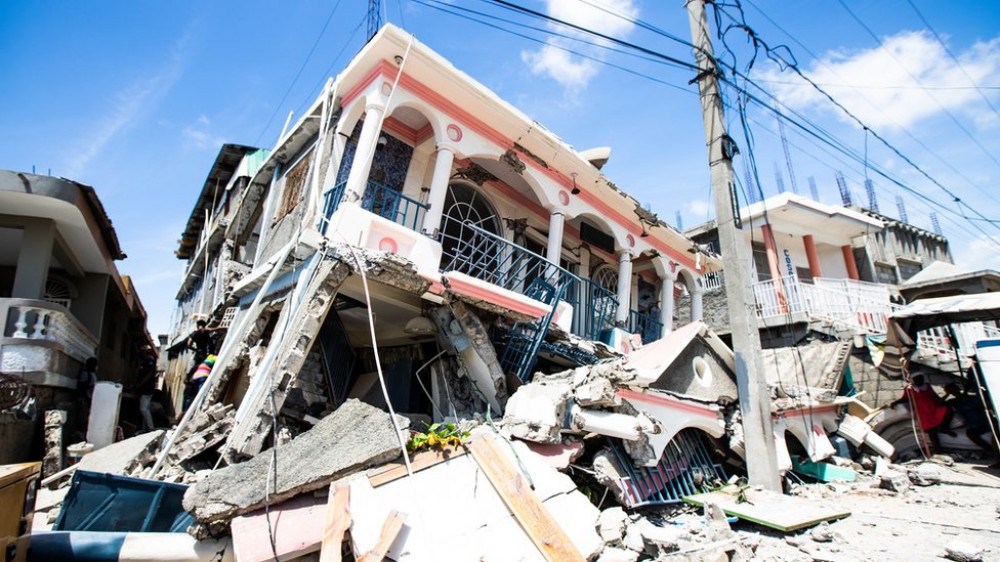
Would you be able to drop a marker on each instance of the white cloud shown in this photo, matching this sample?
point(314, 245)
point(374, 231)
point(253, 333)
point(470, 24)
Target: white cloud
point(574, 72)
point(559, 65)
point(698, 208)
point(127, 106)
point(907, 80)
point(200, 136)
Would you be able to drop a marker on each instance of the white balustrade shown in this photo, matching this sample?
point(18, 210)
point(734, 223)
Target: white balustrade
point(43, 321)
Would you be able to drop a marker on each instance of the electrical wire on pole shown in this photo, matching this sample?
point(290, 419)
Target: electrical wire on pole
point(755, 402)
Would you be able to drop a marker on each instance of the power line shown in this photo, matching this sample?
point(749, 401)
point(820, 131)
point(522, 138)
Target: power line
point(870, 87)
point(953, 57)
point(917, 80)
point(302, 67)
point(783, 60)
point(877, 107)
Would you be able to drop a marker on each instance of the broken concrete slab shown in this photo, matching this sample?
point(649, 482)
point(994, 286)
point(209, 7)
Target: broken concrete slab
point(614, 554)
point(54, 457)
point(926, 474)
point(285, 357)
point(478, 525)
point(961, 551)
point(535, 412)
point(894, 481)
point(354, 437)
point(295, 526)
point(611, 525)
point(558, 456)
point(124, 457)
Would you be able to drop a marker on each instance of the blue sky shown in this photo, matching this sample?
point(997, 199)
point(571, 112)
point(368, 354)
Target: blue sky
point(135, 98)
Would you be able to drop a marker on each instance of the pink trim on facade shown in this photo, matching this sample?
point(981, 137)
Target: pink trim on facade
point(471, 121)
point(481, 290)
point(668, 401)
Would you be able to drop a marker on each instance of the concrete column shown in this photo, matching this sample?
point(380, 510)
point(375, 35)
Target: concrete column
point(667, 304)
point(439, 188)
point(624, 286)
point(34, 258)
point(852, 266)
point(553, 252)
point(812, 256)
point(357, 179)
point(697, 310)
point(584, 262)
point(772, 264)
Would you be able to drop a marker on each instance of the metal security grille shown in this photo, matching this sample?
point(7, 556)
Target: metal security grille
point(685, 468)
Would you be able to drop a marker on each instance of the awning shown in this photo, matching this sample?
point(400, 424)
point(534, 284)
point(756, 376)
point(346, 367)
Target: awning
point(930, 313)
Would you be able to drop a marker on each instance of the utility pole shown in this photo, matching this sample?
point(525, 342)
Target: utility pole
point(755, 402)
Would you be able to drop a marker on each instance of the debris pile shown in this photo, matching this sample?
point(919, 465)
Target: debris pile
point(627, 458)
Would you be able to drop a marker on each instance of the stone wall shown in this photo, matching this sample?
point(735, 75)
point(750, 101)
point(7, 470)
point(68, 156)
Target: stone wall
point(714, 308)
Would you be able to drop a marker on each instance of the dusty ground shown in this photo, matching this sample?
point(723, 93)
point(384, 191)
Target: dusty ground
point(914, 525)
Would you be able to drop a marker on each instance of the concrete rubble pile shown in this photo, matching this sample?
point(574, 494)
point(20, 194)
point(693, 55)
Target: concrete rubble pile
point(595, 462)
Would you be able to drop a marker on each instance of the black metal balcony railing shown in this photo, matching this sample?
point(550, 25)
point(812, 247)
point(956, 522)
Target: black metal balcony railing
point(593, 307)
point(381, 200)
point(646, 325)
point(487, 256)
point(481, 254)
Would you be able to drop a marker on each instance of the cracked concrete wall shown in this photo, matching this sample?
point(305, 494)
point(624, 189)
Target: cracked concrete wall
point(306, 320)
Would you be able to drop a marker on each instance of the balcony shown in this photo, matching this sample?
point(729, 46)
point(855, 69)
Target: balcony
point(381, 200)
point(487, 257)
point(43, 342)
point(846, 303)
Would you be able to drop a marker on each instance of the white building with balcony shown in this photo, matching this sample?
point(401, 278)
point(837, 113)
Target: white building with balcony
point(62, 299)
point(804, 270)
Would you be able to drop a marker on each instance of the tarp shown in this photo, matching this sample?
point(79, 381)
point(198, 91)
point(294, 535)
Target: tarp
point(930, 313)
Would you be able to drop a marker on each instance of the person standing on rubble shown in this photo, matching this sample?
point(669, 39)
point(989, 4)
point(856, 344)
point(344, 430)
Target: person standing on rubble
point(202, 341)
point(146, 385)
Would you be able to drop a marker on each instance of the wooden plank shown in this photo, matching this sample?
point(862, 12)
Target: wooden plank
point(421, 460)
point(391, 527)
point(338, 519)
point(535, 519)
point(770, 509)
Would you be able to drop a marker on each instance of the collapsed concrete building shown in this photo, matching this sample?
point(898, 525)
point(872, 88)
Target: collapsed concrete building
point(412, 222)
point(415, 251)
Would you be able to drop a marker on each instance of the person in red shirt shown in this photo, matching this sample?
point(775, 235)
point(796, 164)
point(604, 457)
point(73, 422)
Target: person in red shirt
point(932, 413)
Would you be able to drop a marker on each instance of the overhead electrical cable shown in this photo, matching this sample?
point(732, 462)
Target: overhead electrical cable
point(298, 74)
point(958, 63)
point(917, 80)
point(877, 107)
point(786, 61)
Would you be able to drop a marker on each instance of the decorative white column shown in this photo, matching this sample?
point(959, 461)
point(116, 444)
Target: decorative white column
point(553, 252)
point(697, 312)
point(624, 286)
point(439, 188)
point(667, 304)
point(357, 179)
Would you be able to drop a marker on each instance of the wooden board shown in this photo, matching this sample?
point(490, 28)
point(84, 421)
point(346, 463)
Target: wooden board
point(531, 514)
point(419, 461)
point(338, 520)
point(770, 509)
point(391, 527)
